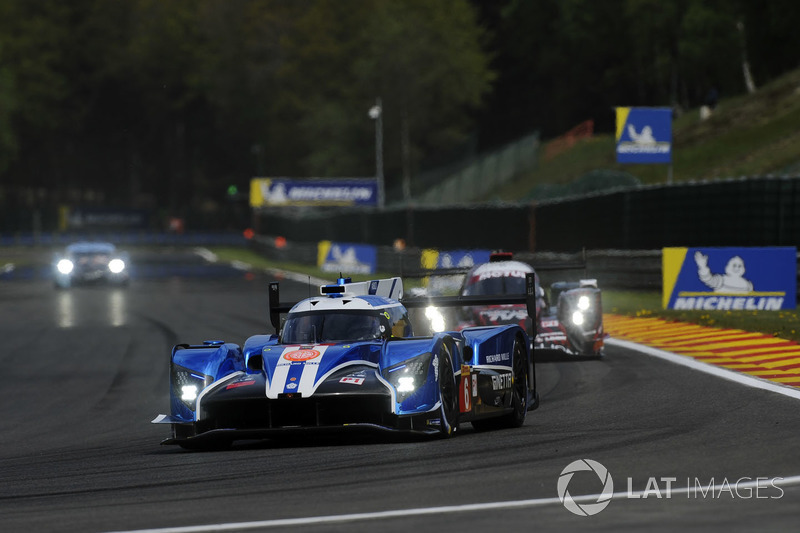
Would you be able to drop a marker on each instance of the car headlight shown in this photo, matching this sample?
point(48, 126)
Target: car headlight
point(437, 319)
point(408, 376)
point(116, 266)
point(584, 303)
point(65, 266)
point(577, 318)
point(187, 385)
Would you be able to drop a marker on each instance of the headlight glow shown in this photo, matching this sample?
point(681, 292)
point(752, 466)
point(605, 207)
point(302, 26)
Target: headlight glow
point(408, 376)
point(116, 265)
point(189, 393)
point(584, 303)
point(405, 384)
point(577, 318)
point(187, 385)
point(65, 266)
point(436, 318)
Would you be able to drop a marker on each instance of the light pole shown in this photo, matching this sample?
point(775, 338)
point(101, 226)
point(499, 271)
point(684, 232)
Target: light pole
point(376, 114)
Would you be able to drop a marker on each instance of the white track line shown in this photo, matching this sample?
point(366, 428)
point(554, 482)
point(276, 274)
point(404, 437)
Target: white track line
point(714, 370)
point(450, 509)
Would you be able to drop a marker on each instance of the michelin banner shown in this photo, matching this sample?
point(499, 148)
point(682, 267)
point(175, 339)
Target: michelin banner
point(435, 259)
point(268, 192)
point(347, 258)
point(730, 279)
point(644, 135)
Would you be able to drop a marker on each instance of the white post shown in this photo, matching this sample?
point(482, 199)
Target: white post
point(376, 113)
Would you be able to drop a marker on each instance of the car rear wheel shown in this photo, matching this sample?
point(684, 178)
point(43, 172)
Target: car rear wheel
point(519, 390)
point(447, 392)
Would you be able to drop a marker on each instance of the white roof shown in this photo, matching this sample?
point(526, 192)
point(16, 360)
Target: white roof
point(503, 268)
point(343, 303)
point(364, 295)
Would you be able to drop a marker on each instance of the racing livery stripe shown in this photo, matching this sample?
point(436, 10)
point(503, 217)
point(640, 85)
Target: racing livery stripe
point(296, 370)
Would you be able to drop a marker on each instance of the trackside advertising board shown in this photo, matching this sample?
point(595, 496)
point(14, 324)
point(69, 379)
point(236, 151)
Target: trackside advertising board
point(644, 135)
point(730, 279)
point(347, 258)
point(436, 259)
point(285, 192)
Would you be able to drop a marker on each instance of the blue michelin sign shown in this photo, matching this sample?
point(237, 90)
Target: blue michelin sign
point(436, 259)
point(317, 192)
point(644, 135)
point(730, 279)
point(347, 258)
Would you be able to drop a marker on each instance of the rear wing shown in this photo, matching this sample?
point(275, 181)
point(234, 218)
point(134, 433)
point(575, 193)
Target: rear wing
point(277, 308)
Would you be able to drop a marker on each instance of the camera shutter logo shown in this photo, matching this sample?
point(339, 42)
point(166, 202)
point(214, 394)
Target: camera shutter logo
point(586, 509)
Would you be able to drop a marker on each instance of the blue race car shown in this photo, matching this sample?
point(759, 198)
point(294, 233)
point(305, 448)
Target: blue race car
point(348, 360)
point(89, 262)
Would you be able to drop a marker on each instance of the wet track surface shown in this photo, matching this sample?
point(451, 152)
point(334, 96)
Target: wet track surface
point(85, 370)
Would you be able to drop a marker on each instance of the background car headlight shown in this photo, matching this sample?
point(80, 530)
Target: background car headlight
point(577, 318)
point(584, 303)
point(65, 266)
point(437, 319)
point(116, 266)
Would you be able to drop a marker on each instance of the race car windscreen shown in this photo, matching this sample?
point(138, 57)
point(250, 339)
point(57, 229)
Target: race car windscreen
point(495, 285)
point(315, 327)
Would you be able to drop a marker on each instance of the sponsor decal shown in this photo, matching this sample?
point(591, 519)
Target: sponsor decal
point(244, 383)
point(501, 274)
point(296, 370)
point(496, 358)
point(549, 323)
point(551, 336)
point(501, 381)
point(301, 355)
point(503, 315)
point(352, 380)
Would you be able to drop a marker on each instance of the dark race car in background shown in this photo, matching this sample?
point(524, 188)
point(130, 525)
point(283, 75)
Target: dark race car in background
point(348, 360)
point(569, 318)
point(90, 262)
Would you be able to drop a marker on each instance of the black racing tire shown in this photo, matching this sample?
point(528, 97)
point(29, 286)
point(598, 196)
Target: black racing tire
point(519, 389)
point(448, 392)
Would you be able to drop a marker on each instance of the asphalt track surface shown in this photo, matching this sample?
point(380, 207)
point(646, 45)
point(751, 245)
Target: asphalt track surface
point(85, 370)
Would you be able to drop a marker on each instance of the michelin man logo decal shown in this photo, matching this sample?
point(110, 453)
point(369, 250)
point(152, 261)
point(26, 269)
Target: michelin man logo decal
point(733, 281)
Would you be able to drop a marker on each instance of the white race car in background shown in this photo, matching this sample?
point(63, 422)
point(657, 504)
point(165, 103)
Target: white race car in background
point(90, 262)
point(568, 319)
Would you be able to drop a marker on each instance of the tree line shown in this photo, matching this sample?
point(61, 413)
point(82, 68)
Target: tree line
point(163, 104)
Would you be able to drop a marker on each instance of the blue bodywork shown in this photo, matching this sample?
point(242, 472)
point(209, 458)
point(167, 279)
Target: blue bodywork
point(221, 391)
